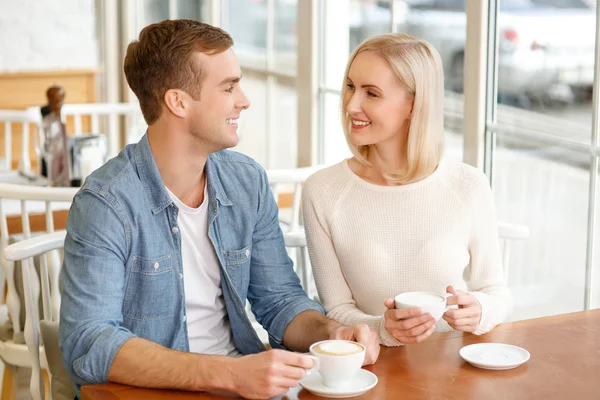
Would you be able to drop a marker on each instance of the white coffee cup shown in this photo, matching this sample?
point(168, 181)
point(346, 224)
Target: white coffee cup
point(428, 302)
point(337, 361)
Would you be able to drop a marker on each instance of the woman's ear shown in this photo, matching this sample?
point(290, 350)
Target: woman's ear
point(412, 106)
point(174, 101)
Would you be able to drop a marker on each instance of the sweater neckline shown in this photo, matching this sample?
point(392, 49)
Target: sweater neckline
point(401, 188)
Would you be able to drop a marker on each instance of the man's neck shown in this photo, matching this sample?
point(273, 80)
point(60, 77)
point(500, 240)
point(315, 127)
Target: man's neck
point(180, 163)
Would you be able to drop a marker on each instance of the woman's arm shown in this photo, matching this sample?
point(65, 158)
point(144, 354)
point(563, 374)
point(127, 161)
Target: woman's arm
point(334, 292)
point(487, 278)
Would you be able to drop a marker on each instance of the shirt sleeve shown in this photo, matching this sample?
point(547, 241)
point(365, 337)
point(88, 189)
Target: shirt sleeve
point(275, 292)
point(92, 280)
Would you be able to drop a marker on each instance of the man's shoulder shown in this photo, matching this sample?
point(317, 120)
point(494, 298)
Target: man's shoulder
point(116, 176)
point(232, 166)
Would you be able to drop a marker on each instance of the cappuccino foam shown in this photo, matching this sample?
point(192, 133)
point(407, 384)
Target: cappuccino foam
point(338, 348)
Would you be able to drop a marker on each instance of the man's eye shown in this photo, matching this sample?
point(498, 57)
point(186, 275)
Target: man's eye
point(230, 90)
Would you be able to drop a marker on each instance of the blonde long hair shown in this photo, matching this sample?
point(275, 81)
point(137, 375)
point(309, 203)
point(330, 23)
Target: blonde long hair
point(417, 66)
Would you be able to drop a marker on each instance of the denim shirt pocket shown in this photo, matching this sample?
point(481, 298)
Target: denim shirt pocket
point(237, 263)
point(149, 293)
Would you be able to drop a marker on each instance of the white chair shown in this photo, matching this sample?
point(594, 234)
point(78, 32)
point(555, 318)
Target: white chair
point(9, 118)
point(297, 240)
point(19, 200)
point(508, 232)
point(290, 181)
point(46, 247)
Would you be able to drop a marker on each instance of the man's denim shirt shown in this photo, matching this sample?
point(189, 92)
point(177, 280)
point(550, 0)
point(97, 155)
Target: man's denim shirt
point(122, 275)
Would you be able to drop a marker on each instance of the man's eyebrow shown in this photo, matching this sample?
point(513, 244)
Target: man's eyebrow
point(231, 79)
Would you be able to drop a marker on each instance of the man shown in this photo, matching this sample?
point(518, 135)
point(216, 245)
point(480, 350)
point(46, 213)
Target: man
point(167, 240)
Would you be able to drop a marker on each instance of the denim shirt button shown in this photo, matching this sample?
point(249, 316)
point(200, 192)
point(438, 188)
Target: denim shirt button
point(156, 265)
point(247, 253)
point(175, 229)
point(180, 276)
point(184, 318)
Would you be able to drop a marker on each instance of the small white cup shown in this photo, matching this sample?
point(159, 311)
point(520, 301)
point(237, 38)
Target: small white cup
point(428, 302)
point(337, 370)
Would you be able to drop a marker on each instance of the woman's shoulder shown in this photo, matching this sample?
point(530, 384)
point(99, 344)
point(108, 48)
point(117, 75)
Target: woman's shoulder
point(335, 175)
point(465, 179)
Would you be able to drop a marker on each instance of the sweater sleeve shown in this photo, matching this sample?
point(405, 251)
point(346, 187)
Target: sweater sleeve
point(487, 281)
point(334, 292)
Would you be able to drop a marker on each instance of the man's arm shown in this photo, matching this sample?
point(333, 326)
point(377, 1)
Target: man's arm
point(307, 328)
point(278, 300)
point(275, 292)
point(258, 376)
point(143, 363)
point(310, 326)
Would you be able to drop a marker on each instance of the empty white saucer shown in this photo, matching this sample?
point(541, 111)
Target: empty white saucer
point(494, 356)
point(361, 383)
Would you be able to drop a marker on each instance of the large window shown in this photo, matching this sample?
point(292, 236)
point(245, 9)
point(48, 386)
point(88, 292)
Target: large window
point(264, 32)
point(539, 136)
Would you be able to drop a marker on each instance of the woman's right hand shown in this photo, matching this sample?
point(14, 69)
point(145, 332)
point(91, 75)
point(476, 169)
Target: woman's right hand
point(408, 325)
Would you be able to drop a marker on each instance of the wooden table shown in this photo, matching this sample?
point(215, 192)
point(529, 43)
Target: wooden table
point(564, 364)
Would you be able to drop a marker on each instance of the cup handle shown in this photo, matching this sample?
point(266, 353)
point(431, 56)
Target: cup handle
point(446, 297)
point(316, 367)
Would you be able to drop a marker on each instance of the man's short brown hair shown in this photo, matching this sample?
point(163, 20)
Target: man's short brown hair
point(161, 60)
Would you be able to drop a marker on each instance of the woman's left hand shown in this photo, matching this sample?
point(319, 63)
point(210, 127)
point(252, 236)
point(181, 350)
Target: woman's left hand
point(468, 315)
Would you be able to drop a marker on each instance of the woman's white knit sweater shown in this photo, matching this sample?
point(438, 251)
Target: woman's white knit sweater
point(368, 242)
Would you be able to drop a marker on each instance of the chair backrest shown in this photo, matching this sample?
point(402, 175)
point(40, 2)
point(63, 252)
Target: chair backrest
point(105, 118)
point(290, 181)
point(44, 247)
point(24, 118)
point(508, 232)
point(296, 240)
point(21, 201)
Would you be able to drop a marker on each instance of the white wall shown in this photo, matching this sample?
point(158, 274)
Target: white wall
point(37, 35)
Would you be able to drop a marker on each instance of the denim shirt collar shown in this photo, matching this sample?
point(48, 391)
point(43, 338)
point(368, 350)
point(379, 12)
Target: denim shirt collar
point(154, 186)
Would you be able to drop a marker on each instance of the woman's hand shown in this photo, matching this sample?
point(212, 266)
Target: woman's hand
point(468, 315)
point(408, 325)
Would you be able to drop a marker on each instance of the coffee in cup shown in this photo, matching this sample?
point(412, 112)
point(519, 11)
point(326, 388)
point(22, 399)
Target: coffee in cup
point(428, 302)
point(337, 348)
point(337, 361)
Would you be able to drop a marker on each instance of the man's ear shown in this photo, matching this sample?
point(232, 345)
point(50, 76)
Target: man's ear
point(174, 101)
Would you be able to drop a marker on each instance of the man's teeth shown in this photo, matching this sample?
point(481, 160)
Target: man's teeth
point(231, 121)
point(360, 123)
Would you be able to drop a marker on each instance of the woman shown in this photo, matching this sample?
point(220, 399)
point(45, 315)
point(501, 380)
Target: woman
point(397, 217)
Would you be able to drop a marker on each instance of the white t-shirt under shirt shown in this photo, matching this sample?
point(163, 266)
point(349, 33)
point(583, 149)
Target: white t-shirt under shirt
point(209, 331)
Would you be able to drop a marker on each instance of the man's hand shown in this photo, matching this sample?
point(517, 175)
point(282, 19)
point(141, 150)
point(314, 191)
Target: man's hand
point(408, 325)
point(268, 374)
point(468, 315)
point(361, 334)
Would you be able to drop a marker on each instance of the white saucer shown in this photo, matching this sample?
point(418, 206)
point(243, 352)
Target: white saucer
point(494, 356)
point(361, 383)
